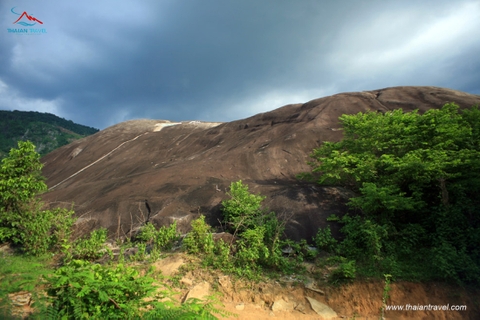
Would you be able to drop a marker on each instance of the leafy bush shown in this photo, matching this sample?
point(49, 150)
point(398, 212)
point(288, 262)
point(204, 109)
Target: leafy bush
point(141, 253)
point(22, 219)
point(90, 247)
point(252, 249)
point(147, 233)
point(166, 236)
point(200, 238)
point(272, 239)
point(20, 182)
point(416, 179)
point(257, 236)
point(221, 257)
point(324, 240)
point(243, 213)
point(344, 272)
point(83, 290)
point(242, 210)
point(41, 231)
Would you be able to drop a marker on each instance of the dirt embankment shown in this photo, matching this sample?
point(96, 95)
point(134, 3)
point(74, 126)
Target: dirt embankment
point(289, 297)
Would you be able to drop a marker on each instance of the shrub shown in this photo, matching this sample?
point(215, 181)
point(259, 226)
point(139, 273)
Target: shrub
point(41, 231)
point(324, 240)
point(22, 219)
point(91, 247)
point(242, 210)
point(416, 178)
point(147, 233)
point(221, 258)
point(165, 236)
point(251, 248)
point(199, 239)
point(345, 271)
point(83, 290)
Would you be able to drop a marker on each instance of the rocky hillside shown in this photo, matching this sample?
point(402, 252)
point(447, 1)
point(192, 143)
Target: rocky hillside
point(47, 131)
point(184, 169)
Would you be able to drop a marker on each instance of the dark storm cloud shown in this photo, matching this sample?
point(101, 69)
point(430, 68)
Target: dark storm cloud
point(102, 62)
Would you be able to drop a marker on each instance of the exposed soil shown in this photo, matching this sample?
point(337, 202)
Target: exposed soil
point(360, 300)
point(286, 297)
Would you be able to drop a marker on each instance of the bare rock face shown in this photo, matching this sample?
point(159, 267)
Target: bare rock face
point(199, 291)
point(21, 304)
point(282, 306)
point(184, 169)
point(322, 309)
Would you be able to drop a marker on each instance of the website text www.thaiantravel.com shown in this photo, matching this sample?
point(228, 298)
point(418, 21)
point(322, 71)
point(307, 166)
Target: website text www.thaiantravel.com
point(425, 307)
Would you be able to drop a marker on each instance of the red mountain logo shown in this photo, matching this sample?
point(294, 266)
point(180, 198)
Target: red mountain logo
point(27, 16)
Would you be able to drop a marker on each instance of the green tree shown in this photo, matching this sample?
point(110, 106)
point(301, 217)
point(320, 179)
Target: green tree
point(411, 172)
point(22, 219)
point(20, 182)
point(243, 209)
point(259, 232)
point(200, 238)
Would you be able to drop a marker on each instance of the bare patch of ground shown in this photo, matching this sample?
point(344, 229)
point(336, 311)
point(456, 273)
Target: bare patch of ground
point(288, 297)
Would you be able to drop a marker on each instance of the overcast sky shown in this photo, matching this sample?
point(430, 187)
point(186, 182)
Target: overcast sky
point(106, 61)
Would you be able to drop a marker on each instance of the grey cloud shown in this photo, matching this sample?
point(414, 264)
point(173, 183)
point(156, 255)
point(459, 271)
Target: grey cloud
point(108, 61)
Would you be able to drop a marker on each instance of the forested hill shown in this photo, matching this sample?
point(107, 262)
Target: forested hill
point(47, 131)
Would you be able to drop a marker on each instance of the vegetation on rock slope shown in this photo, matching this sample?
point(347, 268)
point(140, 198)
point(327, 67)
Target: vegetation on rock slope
point(47, 131)
point(417, 180)
point(79, 288)
point(415, 176)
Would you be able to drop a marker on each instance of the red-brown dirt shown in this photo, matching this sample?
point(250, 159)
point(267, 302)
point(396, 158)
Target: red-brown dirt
point(251, 300)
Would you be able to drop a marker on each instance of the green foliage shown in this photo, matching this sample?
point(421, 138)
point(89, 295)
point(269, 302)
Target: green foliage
point(22, 219)
point(221, 257)
point(345, 270)
point(90, 247)
point(45, 130)
point(42, 231)
point(243, 213)
point(20, 180)
point(417, 179)
point(364, 239)
point(82, 290)
point(200, 238)
point(324, 240)
point(147, 233)
point(385, 295)
point(141, 253)
point(257, 237)
point(161, 239)
point(242, 210)
point(21, 273)
point(166, 236)
point(272, 239)
point(252, 249)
